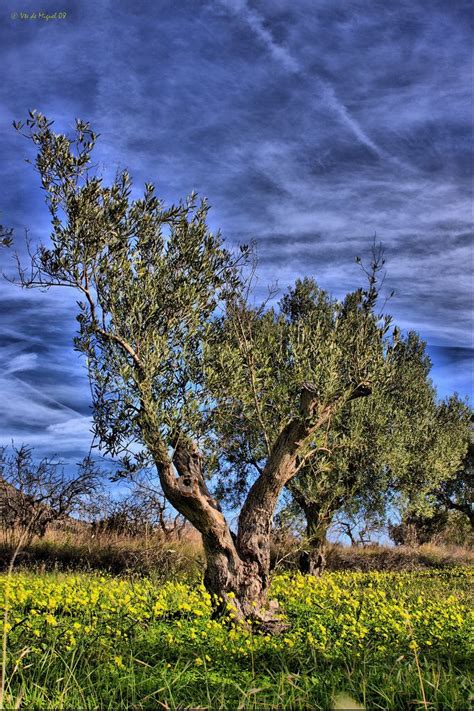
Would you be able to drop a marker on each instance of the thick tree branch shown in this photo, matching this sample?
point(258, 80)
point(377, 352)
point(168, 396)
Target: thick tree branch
point(286, 459)
point(464, 508)
point(257, 511)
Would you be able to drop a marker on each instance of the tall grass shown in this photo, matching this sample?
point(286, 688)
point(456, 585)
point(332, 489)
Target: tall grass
point(77, 683)
point(117, 553)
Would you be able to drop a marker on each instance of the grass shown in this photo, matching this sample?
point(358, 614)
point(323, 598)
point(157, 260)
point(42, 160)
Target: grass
point(79, 549)
point(379, 640)
point(81, 686)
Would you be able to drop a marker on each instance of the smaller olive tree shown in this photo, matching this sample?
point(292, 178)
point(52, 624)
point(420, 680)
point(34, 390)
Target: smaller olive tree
point(441, 456)
point(457, 493)
point(436, 496)
point(396, 446)
point(351, 470)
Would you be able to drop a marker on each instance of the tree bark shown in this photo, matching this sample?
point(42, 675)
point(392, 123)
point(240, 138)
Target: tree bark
point(313, 559)
point(232, 576)
point(256, 517)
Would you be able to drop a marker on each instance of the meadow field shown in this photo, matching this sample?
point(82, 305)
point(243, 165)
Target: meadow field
point(377, 640)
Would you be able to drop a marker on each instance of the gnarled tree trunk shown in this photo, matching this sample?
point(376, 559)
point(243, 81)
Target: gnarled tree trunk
point(238, 566)
point(236, 577)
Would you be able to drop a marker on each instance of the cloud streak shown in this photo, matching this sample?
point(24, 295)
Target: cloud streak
point(326, 91)
point(257, 24)
point(310, 126)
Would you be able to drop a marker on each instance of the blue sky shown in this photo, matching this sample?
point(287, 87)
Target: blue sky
point(309, 125)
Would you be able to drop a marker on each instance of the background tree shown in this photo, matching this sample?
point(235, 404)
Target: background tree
point(440, 509)
point(351, 476)
point(361, 528)
point(142, 512)
point(398, 445)
point(367, 441)
point(457, 493)
point(34, 496)
point(183, 366)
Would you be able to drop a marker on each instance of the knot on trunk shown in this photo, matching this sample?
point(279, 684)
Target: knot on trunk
point(361, 390)
point(188, 460)
point(308, 395)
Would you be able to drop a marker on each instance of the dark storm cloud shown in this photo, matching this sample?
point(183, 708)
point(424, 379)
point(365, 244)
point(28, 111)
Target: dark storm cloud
point(310, 126)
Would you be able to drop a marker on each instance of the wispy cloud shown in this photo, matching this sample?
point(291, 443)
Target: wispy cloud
point(310, 126)
point(326, 92)
point(256, 23)
point(330, 98)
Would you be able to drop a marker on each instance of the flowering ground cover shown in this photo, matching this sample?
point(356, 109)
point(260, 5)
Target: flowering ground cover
point(386, 640)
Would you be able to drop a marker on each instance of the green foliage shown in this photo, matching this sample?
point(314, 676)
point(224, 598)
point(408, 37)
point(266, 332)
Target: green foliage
point(456, 494)
point(263, 357)
point(149, 279)
point(440, 455)
point(458, 530)
point(84, 641)
point(397, 446)
point(443, 511)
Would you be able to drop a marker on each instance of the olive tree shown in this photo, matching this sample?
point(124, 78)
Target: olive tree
point(265, 354)
point(182, 366)
point(457, 493)
point(397, 446)
point(440, 478)
point(376, 452)
point(344, 471)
